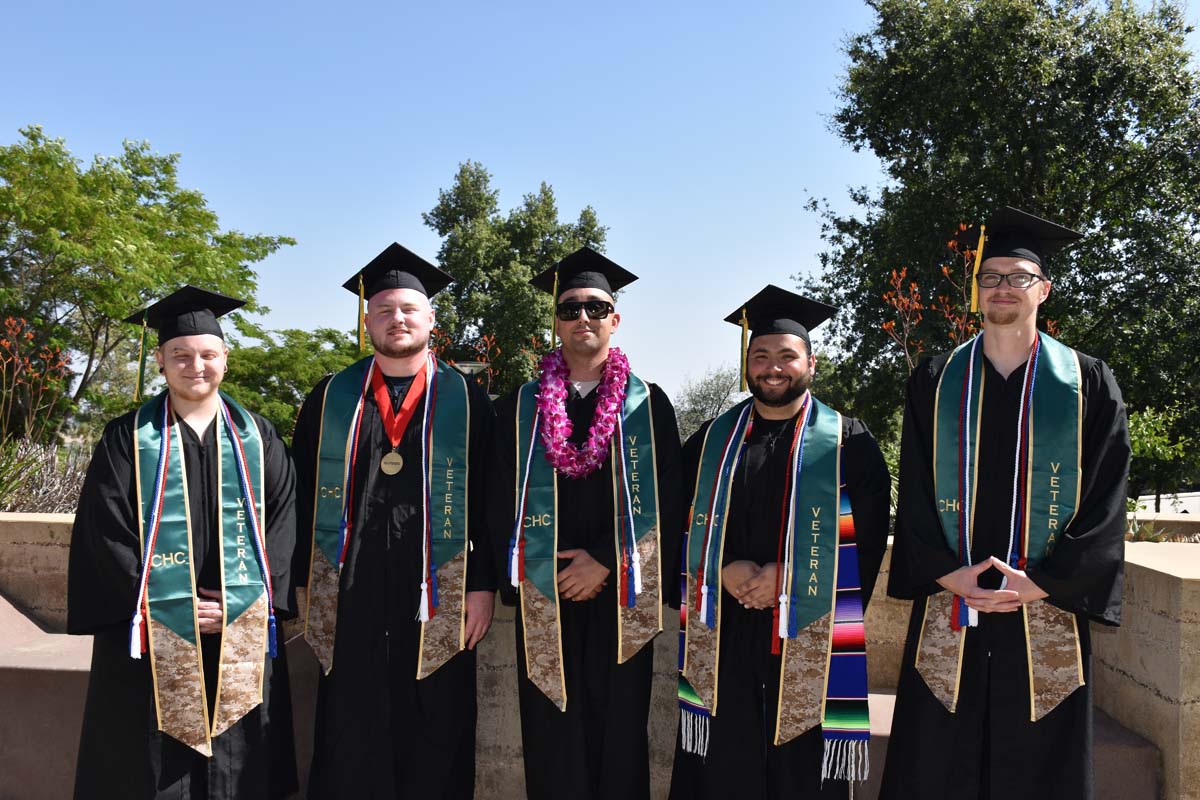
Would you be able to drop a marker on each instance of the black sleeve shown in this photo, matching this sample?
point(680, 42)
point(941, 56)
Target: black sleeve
point(304, 455)
point(481, 564)
point(280, 500)
point(500, 492)
point(690, 465)
point(668, 462)
point(1085, 572)
point(105, 558)
point(920, 554)
point(870, 488)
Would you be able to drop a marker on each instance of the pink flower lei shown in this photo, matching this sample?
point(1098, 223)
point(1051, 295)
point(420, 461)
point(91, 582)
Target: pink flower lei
point(566, 457)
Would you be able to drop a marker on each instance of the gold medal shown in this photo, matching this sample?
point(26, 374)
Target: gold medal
point(392, 463)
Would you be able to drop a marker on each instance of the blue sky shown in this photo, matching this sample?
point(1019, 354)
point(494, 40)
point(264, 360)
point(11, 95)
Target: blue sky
point(697, 131)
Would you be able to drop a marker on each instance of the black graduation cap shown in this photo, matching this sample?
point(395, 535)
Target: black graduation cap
point(1013, 233)
point(584, 269)
point(775, 310)
point(187, 311)
point(397, 267)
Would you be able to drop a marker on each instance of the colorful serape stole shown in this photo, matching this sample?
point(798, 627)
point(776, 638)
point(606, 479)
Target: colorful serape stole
point(823, 676)
point(846, 719)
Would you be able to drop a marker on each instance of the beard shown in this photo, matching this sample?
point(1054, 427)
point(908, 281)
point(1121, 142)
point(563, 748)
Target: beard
point(1001, 316)
point(399, 351)
point(779, 397)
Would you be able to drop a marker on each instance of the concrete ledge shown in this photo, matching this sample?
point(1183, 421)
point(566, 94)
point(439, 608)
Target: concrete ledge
point(33, 565)
point(1144, 671)
point(43, 684)
point(1174, 526)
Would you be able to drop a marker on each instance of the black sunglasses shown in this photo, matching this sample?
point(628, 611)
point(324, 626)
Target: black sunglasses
point(596, 309)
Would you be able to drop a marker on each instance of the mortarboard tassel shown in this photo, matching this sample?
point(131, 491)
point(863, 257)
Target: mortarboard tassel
point(362, 344)
point(140, 388)
point(553, 310)
point(975, 271)
point(745, 343)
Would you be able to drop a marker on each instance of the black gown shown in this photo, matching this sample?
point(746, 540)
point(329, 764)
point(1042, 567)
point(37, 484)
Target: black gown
point(598, 748)
point(381, 733)
point(121, 752)
point(989, 748)
point(742, 760)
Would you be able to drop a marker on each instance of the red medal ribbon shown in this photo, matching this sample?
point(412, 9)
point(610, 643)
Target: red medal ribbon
point(396, 423)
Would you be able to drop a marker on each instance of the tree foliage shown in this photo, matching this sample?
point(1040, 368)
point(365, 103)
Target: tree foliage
point(82, 246)
point(1084, 113)
point(704, 398)
point(1160, 457)
point(274, 376)
point(492, 256)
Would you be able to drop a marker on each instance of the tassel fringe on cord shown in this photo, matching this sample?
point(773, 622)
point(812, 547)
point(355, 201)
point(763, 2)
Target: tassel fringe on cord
point(845, 760)
point(694, 732)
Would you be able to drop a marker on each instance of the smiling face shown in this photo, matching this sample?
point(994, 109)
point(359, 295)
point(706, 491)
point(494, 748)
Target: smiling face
point(1005, 305)
point(586, 337)
point(193, 365)
point(399, 322)
point(779, 368)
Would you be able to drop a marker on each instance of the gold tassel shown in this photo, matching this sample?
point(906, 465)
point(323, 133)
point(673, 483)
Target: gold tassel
point(553, 315)
point(140, 388)
point(362, 302)
point(745, 343)
point(975, 272)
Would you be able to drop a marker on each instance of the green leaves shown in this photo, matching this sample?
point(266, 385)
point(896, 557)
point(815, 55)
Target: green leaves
point(1087, 114)
point(82, 246)
point(274, 376)
point(492, 257)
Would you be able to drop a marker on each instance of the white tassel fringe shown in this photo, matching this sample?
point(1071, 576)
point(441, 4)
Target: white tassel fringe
point(693, 730)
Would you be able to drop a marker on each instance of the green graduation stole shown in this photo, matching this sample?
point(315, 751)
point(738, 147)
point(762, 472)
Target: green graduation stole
point(819, 618)
point(165, 622)
point(533, 566)
point(1045, 490)
point(445, 427)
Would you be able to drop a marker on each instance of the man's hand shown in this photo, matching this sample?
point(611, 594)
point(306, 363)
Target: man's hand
point(1027, 591)
point(734, 576)
point(760, 591)
point(208, 610)
point(964, 582)
point(479, 616)
point(583, 578)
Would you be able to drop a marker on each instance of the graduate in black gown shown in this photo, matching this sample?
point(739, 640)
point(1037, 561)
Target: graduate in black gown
point(381, 732)
point(598, 746)
point(741, 759)
point(989, 747)
point(122, 752)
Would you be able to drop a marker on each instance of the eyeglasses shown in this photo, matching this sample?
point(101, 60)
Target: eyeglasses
point(596, 309)
point(1017, 280)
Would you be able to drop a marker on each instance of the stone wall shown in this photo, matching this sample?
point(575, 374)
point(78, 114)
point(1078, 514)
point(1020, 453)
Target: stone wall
point(1145, 671)
point(33, 565)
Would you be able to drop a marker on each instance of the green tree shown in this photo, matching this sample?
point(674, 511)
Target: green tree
point(699, 400)
point(274, 376)
point(1085, 113)
point(1161, 460)
point(492, 256)
point(82, 246)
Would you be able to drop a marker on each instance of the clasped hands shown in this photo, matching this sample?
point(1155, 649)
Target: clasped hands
point(1019, 590)
point(583, 578)
point(752, 585)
